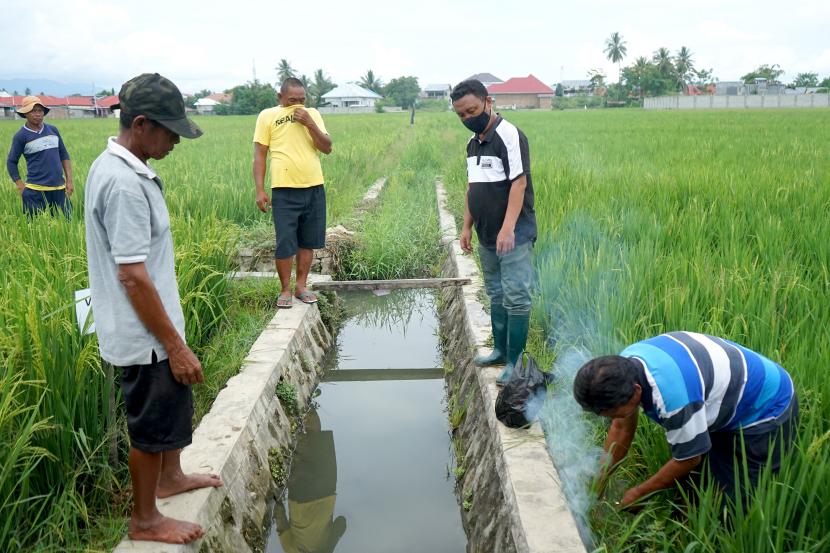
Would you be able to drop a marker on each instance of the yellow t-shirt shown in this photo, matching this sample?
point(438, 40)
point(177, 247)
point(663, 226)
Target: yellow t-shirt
point(294, 159)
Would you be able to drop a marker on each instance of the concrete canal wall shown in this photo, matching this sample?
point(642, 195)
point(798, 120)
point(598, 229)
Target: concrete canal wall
point(246, 438)
point(516, 503)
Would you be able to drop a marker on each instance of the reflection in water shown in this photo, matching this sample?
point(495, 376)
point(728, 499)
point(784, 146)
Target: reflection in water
point(397, 309)
point(308, 527)
point(383, 401)
point(394, 331)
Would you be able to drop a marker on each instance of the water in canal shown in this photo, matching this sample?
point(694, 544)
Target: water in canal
point(371, 472)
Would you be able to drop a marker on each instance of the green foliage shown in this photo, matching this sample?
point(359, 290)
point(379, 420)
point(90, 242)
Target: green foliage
point(684, 66)
point(286, 392)
point(59, 489)
point(403, 91)
point(284, 71)
point(805, 79)
point(433, 105)
point(191, 101)
point(645, 78)
point(724, 236)
point(765, 71)
point(278, 459)
point(615, 47)
point(319, 86)
point(597, 78)
point(825, 83)
point(372, 82)
point(249, 98)
point(580, 101)
point(400, 239)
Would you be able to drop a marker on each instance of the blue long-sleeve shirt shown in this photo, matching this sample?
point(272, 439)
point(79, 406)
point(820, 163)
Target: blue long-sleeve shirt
point(44, 152)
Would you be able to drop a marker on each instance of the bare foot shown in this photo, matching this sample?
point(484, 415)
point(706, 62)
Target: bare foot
point(185, 483)
point(164, 529)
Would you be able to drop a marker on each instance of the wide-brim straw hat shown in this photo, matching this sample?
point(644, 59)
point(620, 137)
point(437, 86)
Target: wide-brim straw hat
point(29, 103)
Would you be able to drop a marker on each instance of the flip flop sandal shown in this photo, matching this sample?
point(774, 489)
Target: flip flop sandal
point(306, 297)
point(285, 302)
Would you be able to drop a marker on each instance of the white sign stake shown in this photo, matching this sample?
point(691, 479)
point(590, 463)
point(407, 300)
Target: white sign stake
point(83, 311)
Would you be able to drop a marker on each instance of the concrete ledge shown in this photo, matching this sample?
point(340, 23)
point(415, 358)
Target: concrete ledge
point(245, 437)
point(517, 501)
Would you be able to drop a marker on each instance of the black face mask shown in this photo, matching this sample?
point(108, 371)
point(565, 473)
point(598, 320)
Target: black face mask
point(478, 123)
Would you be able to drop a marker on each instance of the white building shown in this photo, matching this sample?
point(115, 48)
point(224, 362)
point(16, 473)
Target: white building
point(436, 91)
point(204, 106)
point(351, 96)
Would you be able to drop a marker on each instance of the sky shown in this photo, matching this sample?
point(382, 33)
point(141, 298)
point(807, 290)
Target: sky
point(217, 45)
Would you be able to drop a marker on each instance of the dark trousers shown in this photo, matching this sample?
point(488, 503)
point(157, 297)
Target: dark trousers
point(35, 201)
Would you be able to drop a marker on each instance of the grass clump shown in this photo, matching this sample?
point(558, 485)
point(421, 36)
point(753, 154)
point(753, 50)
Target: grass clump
point(286, 392)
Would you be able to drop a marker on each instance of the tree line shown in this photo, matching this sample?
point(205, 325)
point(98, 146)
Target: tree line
point(255, 95)
point(665, 73)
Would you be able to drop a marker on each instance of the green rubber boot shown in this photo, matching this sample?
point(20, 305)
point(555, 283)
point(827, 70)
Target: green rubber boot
point(517, 326)
point(498, 321)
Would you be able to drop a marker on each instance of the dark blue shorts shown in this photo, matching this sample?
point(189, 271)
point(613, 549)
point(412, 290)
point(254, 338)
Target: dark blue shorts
point(159, 409)
point(299, 219)
point(35, 201)
point(759, 450)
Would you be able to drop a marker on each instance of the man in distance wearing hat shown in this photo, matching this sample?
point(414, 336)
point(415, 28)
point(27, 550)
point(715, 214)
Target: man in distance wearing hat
point(135, 298)
point(47, 161)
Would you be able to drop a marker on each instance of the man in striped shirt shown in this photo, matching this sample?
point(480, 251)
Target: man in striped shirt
point(705, 392)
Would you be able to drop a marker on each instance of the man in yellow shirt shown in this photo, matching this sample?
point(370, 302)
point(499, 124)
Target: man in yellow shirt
point(293, 135)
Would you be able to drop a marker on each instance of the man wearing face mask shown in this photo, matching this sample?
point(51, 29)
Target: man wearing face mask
point(499, 202)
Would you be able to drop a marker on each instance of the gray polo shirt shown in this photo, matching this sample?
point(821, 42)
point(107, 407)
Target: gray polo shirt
point(127, 222)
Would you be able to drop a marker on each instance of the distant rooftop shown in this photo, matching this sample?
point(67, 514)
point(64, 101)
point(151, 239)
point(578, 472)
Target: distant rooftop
point(576, 83)
point(437, 87)
point(351, 90)
point(485, 78)
point(520, 85)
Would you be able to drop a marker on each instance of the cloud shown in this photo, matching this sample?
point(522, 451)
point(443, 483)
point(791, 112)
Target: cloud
point(201, 47)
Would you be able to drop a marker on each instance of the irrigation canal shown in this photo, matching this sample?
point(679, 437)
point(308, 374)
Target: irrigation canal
point(372, 471)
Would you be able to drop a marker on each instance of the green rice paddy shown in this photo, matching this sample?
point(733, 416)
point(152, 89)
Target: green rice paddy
point(648, 221)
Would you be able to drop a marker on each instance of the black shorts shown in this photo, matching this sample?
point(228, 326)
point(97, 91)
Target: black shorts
point(759, 449)
point(159, 409)
point(299, 219)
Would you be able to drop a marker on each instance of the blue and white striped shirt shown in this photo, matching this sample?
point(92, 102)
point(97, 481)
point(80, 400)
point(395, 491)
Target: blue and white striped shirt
point(694, 384)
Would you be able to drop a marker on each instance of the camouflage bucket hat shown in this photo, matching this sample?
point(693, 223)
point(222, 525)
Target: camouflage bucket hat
point(157, 98)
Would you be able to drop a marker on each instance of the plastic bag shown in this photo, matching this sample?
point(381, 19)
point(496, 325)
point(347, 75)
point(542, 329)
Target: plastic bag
point(520, 399)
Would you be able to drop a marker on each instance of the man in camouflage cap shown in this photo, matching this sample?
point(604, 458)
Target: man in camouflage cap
point(135, 298)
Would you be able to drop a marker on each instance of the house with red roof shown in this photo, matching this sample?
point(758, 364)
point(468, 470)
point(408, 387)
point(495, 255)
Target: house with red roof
point(521, 93)
point(70, 107)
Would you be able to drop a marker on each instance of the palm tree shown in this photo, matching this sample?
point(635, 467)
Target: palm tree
point(371, 82)
point(284, 70)
point(662, 57)
point(684, 66)
point(639, 71)
point(615, 51)
point(319, 86)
